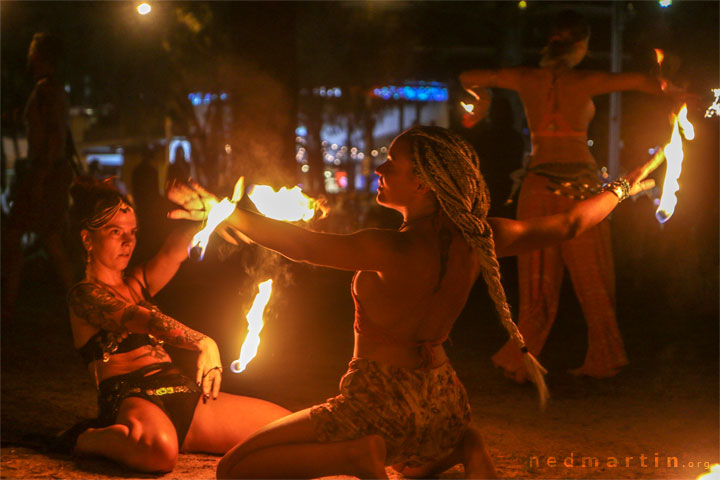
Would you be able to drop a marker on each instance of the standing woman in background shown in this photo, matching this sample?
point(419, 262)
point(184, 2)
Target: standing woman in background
point(559, 107)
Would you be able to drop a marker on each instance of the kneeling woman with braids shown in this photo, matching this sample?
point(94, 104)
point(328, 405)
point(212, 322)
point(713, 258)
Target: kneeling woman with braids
point(148, 410)
point(400, 402)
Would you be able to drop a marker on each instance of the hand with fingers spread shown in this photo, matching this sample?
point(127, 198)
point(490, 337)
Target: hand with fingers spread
point(195, 201)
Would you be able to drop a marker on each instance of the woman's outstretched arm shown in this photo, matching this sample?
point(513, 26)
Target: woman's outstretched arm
point(501, 78)
point(605, 82)
point(370, 249)
point(513, 237)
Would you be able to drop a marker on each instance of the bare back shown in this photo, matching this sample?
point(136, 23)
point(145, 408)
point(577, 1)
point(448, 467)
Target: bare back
point(414, 305)
point(559, 109)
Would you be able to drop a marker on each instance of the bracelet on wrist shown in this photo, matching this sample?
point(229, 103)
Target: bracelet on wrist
point(620, 188)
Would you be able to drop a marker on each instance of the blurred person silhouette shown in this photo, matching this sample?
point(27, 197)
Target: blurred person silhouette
point(501, 148)
point(149, 206)
point(41, 201)
point(559, 107)
point(179, 169)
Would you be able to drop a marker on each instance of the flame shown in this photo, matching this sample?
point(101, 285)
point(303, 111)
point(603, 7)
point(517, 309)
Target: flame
point(687, 128)
point(255, 324)
point(219, 211)
point(291, 205)
point(469, 107)
point(674, 156)
point(714, 108)
point(713, 474)
point(660, 56)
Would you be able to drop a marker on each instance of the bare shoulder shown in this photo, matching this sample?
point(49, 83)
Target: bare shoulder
point(95, 305)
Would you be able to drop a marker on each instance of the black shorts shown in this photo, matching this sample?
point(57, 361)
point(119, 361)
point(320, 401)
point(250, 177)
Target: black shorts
point(161, 384)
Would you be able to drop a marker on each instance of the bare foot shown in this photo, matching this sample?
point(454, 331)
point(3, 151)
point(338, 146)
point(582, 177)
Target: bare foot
point(475, 458)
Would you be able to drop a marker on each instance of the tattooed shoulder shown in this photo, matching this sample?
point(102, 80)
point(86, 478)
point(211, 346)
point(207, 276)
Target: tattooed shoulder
point(96, 305)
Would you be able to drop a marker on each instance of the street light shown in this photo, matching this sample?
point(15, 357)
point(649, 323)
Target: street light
point(144, 8)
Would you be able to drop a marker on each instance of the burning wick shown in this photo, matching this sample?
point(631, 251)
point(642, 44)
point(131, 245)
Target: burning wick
point(674, 155)
point(255, 324)
point(219, 211)
point(714, 109)
point(469, 107)
point(660, 56)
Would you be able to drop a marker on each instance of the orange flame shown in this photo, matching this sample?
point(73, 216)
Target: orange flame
point(255, 324)
point(660, 56)
point(219, 211)
point(290, 205)
point(674, 156)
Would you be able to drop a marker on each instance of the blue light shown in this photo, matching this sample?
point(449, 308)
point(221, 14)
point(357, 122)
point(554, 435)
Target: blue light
point(223, 96)
point(408, 93)
point(422, 92)
point(301, 131)
point(665, 3)
point(195, 98)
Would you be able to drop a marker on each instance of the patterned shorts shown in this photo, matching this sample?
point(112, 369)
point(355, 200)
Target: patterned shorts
point(421, 413)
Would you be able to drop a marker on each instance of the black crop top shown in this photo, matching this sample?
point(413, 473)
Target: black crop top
point(104, 343)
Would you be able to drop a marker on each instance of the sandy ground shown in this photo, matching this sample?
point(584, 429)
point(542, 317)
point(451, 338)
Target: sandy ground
point(657, 419)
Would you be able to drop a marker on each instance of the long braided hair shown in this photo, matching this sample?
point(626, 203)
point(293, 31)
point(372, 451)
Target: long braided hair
point(449, 165)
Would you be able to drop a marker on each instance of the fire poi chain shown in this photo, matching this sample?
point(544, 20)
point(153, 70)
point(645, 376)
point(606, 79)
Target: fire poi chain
point(290, 205)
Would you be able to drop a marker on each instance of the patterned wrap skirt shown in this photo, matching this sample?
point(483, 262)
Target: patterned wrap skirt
point(421, 413)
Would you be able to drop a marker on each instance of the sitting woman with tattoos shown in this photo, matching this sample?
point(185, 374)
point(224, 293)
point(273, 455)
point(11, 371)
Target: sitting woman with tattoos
point(148, 410)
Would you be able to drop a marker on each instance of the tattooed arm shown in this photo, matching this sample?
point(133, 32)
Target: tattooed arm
point(100, 308)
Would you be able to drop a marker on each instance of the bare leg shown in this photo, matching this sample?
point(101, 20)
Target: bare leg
point(219, 425)
point(144, 438)
point(287, 449)
point(471, 452)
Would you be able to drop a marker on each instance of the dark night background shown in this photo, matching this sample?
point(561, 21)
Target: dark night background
point(130, 76)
